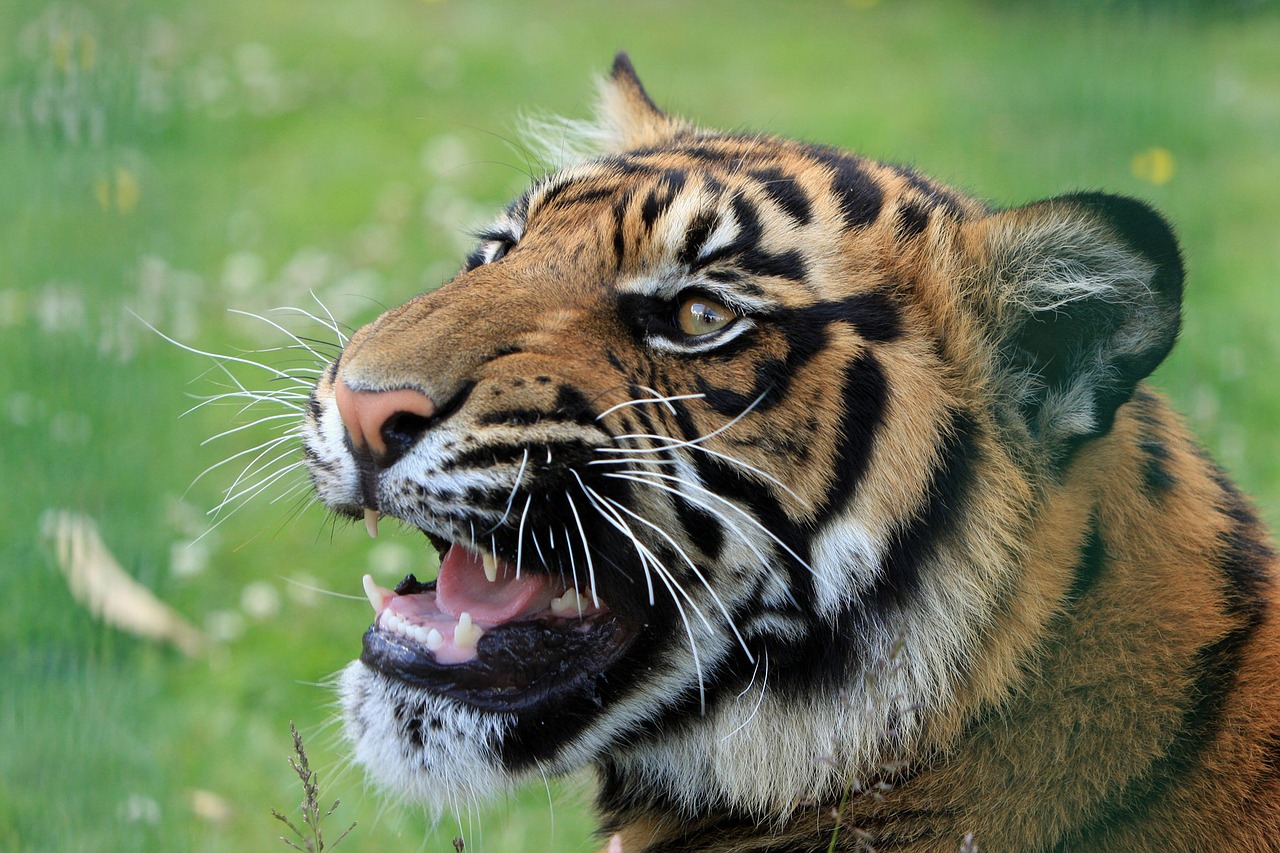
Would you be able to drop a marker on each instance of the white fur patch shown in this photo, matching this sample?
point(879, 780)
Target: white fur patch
point(422, 746)
point(846, 560)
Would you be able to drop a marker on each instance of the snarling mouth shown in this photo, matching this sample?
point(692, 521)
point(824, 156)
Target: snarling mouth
point(493, 636)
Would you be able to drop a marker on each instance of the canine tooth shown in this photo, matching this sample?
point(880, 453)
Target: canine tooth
point(571, 601)
point(371, 522)
point(490, 566)
point(434, 639)
point(377, 595)
point(466, 634)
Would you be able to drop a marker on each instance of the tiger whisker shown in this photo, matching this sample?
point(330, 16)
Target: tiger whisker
point(680, 551)
point(515, 488)
point(677, 444)
point(725, 426)
point(262, 420)
point(657, 398)
point(218, 359)
point(520, 534)
point(265, 447)
point(249, 492)
point(573, 562)
point(630, 461)
point(276, 325)
point(586, 548)
point(597, 500)
point(711, 510)
point(321, 590)
point(647, 558)
point(333, 323)
point(302, 483)
point(252, 470)
point(533, 534)
point(664, 574)
point(640, 477)
point(278, 398)
point(267, 480)
point(764, 685)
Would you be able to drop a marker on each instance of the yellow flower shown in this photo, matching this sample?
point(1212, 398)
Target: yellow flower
point(118, 191)
point(1155, 166)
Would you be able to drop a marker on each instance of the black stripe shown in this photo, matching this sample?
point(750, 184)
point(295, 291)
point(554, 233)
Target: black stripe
point(789, 265)
point(874, 315)
point(1243, 559)
point(859, 194)
point(701, 528)
point(1156, 476)
point(934, 192)
point(660, 197)
point(696, 236)
point(619, 234)
point(786, 191)
point(1092, 562)
point(912, 219)
point(942, 510)
point(748, 236)
point(1155, 469)
point(586, 196)
point(627, 165)
point(1246, 555)
point(865, 396)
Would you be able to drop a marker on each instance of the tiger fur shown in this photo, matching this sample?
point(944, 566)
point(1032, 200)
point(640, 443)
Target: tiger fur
point(820, 506)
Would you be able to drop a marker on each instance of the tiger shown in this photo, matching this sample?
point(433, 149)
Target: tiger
point(810, 504)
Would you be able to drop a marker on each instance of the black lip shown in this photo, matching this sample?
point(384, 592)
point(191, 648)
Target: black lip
point(532, 665)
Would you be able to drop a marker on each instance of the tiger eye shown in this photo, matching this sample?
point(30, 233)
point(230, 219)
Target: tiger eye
point(702, 316)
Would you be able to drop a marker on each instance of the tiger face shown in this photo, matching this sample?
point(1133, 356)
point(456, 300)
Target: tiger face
point(750, 464)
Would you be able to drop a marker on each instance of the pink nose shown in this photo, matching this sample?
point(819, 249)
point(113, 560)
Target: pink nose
point(386, 423)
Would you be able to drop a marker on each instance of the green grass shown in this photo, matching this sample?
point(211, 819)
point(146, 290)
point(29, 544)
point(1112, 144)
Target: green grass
point(179, 160)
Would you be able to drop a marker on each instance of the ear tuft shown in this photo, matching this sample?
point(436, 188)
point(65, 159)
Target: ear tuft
point(1085, 301)
point(627, 116)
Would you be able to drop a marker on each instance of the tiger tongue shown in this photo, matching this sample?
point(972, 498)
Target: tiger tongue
point(463, 587)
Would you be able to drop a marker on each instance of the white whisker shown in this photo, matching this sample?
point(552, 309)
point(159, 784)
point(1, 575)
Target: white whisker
point(678, 444)
point(692, 567)
point(586, 549)
point(262, 420)
point(573, 562)
point(333, 323)
point(764, 685)
point(514, 489)
point(647, 559)
point(276, 325)
point(642, 477)
point(520, 534)
point(265, 446)
point(657, 398)
point(218, 359)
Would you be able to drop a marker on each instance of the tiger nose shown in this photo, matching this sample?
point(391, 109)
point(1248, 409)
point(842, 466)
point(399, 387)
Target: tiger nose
point(385, 423)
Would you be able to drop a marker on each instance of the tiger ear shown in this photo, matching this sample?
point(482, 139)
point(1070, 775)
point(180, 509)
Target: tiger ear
point(1086, 302)
point(628, 117)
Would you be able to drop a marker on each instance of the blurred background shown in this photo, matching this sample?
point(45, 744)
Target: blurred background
point(170, 164)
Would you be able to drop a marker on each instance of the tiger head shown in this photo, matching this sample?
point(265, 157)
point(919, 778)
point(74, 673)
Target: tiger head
point(735, 450)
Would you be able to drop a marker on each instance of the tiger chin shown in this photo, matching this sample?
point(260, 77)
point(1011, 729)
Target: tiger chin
point(815, 505)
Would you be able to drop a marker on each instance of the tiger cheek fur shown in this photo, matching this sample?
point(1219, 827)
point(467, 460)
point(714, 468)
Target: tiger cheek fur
point(809, 501)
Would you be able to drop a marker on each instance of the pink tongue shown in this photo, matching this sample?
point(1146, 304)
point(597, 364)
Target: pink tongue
point(462, 586)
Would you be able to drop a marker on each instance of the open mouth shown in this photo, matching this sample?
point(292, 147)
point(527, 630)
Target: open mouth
point(493, 636)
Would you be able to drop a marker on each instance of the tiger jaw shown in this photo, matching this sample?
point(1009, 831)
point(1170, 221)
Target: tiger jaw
point(498, 643)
